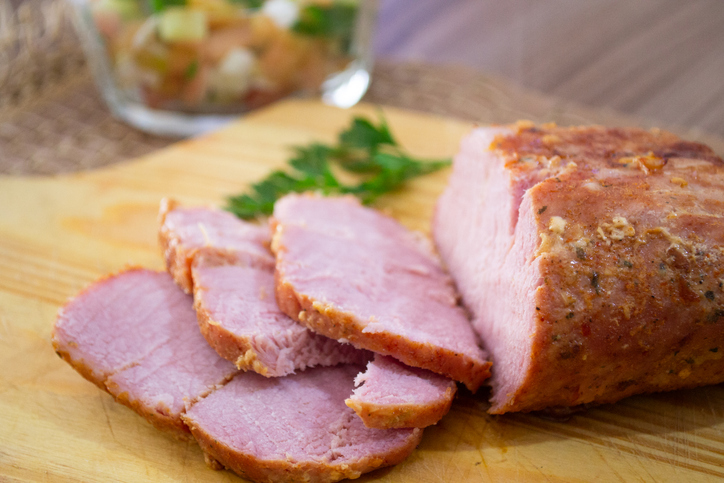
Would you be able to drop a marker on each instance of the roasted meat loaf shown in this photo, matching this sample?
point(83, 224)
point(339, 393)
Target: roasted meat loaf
point(591, 259)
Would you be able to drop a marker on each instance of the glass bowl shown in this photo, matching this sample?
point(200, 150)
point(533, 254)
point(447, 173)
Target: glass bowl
point(183, 67)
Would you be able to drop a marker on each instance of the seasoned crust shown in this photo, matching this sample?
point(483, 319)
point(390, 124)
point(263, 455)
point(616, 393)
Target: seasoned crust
point(627, 239)
point(644, 308)
point(247, 466)
point(596, 146)
point(644, 288)
point(329, 321)
point(402, 415)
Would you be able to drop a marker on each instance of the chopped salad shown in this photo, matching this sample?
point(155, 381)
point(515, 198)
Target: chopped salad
point(198, 55)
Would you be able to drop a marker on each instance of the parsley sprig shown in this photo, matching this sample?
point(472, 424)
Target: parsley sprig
point(368, 151)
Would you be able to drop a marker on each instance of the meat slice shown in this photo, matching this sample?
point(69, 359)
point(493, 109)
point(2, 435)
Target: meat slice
point(353, 274)
point(390, 394)
point(591, 259)
point(90, 331)
point(241, 320)
point(134, 334)
point(294, 428)
point(185, 231)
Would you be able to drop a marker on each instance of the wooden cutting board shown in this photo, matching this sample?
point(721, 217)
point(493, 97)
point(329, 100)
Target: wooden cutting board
point(58, 234)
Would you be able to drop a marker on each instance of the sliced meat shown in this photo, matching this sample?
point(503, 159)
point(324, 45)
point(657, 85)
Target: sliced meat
point(231, 270)
point(390, 394)
point(184, 231)
point(240, 318)
point(294, 428)
point(591, 260)
point(134, 334)
point(353, 274)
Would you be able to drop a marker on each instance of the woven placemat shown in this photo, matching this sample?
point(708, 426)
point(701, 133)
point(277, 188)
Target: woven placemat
point(53, 120)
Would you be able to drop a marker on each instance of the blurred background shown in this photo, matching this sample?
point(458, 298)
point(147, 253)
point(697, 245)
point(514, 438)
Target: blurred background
point(660, 59)
point(622, 62)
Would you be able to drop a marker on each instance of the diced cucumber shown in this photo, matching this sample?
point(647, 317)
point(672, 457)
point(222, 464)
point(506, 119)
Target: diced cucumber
point(233, 76)
point(177, 24)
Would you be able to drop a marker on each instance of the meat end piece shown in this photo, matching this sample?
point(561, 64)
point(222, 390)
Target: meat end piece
point(390, 394)
point(185, 231)
point(294, 428)
point(591, 260)
point(353, 274)
point(240, 319)
point(134, 334)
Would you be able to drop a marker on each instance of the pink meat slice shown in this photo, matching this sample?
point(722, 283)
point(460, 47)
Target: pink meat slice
point(294, 428)
point(134, 334)
point(90, 330)
point(590, 259)
point(241, 320)
point(353, 274)
point(184, 231)
point(390, 394)
point(239, 317)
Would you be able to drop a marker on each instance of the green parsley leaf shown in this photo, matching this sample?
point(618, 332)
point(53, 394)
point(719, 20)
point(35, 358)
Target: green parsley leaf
point(359, 142)
point(367, 151)
point(364, 134)
point(394, 170)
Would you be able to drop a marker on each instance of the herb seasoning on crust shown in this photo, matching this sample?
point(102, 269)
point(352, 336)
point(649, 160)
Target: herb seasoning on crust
point(591, 258)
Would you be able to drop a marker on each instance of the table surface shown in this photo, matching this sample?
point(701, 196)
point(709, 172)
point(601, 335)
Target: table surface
point(57, 234)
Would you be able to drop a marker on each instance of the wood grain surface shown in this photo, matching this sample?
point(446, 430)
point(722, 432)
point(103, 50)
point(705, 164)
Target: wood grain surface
point(57, 234)
point(657, 59)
